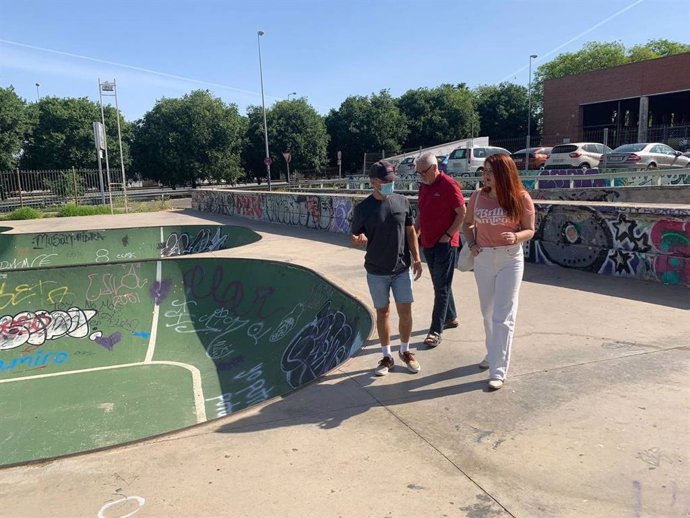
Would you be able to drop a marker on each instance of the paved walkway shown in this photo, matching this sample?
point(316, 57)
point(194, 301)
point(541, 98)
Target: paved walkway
point(594, 420)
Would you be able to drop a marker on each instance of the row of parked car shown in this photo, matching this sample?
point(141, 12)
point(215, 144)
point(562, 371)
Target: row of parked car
point(577, 155)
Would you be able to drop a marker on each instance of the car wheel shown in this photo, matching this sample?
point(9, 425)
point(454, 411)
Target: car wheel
point(480, 170)
point(542, 167)
point(584, 166)
point(651, 165)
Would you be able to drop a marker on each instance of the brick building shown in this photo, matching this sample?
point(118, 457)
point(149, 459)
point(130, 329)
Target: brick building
point(647, 101)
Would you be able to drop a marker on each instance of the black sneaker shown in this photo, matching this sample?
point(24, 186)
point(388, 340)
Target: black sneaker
point(385, 366)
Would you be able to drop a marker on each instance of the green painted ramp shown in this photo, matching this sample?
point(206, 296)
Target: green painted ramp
point(49, 249)
point(103, 354)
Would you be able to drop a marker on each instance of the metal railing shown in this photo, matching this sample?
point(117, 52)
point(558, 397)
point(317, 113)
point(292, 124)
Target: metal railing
point(547, 179)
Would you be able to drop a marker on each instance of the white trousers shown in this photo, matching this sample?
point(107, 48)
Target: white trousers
point(498, 272)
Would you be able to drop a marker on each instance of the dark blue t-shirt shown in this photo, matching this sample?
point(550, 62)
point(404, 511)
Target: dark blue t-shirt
point(384, 222)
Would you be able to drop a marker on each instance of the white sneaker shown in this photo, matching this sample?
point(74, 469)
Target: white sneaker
point(484, 364)
point(495, 384)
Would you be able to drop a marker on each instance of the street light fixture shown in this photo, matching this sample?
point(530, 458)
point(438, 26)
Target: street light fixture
point(38, 95)
point(292, 93)
point(529, 111)
point(267, 160)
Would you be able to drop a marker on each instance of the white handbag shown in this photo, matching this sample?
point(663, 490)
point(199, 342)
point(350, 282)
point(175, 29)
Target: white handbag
point(465, 257)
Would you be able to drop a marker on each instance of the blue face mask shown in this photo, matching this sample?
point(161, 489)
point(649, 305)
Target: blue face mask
point(387, 189)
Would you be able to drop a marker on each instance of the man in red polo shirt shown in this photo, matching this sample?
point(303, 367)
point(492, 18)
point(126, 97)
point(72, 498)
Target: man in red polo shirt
point(440, 216)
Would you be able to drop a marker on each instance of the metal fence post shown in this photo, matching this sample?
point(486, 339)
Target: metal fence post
point(19, 185)
point(74, 181)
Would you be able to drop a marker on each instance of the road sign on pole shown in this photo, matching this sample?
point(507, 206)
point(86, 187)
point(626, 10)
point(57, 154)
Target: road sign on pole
point(268, 161)
point(287, 156)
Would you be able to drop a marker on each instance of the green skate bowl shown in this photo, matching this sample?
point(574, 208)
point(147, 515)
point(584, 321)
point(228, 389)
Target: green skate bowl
point(107, 353)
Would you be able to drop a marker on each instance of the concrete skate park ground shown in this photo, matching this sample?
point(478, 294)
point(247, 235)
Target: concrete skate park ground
point(593, 420)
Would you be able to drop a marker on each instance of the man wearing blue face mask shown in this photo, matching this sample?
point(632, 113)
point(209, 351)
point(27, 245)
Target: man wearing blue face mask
point(384, 223)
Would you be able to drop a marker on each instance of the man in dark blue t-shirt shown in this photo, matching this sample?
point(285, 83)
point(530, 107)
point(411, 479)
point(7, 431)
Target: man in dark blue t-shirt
point(384, 222)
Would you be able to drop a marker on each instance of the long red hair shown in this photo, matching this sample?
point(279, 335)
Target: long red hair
point(507, 184)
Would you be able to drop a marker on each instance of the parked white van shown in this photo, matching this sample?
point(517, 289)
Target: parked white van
point(465, 160)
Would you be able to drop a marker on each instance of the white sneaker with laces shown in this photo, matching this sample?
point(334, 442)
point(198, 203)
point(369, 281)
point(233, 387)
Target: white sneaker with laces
point(495, 384)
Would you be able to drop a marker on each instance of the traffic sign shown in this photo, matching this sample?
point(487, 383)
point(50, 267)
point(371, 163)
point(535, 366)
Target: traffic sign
point(268, 160)
point(287, 156)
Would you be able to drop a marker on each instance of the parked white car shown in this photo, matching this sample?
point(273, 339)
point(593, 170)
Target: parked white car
point(578, 155)
point(646, 156)
point(466, 160)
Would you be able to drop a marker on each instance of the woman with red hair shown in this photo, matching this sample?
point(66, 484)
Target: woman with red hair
point(499, 218)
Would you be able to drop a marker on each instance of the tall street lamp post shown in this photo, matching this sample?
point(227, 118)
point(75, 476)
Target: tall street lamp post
point(267, 160)
point(292, 93)
point(529, 111)
point(38, 95)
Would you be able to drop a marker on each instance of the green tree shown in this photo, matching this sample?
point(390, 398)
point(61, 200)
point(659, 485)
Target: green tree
point(365, 124)
point(656, 49)
point(503, 110)
point(14, 125)
point(293, 126)
point(62, 135)
point(438, 115)
point(196, 137)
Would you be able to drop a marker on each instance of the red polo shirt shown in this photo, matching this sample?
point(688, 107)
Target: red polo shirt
point(437, 204)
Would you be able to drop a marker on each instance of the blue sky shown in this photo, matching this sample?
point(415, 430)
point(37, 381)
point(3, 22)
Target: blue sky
point(325, 50)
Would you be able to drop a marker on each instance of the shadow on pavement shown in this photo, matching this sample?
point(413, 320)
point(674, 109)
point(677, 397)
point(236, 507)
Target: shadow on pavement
point(329, 404)
point(632, 289)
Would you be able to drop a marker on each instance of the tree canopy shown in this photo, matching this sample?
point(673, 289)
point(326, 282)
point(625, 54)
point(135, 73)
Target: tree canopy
point(365, 124)
point(436, 115)
point(293, 126)
point(14, 125)
point(62, 135)
point(502, 110)
point(196, 137)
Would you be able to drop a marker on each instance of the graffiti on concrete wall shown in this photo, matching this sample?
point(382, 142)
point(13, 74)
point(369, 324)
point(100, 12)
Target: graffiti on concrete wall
point(327, 213)
point(318, 212)
point(184, 243)
point(47, 249)
point(250, 329)
point(611, 241)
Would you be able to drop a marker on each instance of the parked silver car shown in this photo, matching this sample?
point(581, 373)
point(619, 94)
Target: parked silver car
point(647, 155)
point(467, 160)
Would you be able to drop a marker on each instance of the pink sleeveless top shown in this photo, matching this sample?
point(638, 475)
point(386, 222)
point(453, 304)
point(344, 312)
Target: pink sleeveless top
point(490, 219)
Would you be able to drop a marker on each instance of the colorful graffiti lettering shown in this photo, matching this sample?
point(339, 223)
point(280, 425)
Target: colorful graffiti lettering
point(252, 394)
point(183, 243)
point(40, 261)
point(672, 238)
point(117, 288)
point(56, 239)
point(38, 359)
point(319, 346)
point(35, 328)
point(23, 292)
